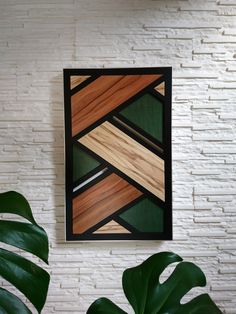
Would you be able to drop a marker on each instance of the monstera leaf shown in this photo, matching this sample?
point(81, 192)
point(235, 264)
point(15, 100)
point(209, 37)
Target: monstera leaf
point(147, 295)
point(25, 275)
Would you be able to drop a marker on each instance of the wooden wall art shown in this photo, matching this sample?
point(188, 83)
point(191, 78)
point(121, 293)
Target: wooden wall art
point(118, 154)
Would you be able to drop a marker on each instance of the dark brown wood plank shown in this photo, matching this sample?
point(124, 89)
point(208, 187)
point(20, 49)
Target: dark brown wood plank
point(100, 201)
point(104, 95)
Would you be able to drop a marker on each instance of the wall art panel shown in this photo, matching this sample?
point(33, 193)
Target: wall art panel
point(118, 154)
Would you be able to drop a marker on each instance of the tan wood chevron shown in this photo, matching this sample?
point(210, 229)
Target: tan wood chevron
point(161, 88)
point(77, 80)
point(127, 155)
point(103, 95)
point(112, 227)
point(100, 201)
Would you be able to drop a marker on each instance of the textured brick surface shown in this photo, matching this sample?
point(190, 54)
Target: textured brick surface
point(198, 38)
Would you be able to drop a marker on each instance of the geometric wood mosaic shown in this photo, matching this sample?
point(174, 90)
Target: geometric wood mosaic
point(118, 154)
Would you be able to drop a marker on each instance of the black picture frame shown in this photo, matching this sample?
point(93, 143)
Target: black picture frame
point(166, 73)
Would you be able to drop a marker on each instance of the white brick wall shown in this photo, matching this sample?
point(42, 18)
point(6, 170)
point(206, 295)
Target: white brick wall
point(38, 38)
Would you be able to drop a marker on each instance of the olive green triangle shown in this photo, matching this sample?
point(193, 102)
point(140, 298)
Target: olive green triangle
point(83, 163)
point(145, 216)
point(147, 113)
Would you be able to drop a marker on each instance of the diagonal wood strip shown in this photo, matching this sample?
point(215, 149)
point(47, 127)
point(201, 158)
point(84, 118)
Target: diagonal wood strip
point(100, 201)
point(77, 80)
point(112, 227)
point(127, 155)
point(104, 95)
point(132, 130)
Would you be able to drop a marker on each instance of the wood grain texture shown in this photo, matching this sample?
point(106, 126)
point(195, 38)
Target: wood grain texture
point(111, 227)
point(103, 95)
point(100, 201)
point(136, 133)
point(127, 155)
point(161, 88)
point(77, 80)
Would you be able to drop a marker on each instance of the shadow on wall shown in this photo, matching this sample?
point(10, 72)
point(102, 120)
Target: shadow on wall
point(57, 105)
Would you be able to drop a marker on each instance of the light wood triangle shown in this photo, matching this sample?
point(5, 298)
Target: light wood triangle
point(161, 88)
point(112, 227)
point(77, 80)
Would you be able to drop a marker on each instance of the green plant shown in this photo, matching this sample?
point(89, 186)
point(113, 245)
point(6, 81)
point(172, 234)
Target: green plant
point(147, 295)
point(25, 275)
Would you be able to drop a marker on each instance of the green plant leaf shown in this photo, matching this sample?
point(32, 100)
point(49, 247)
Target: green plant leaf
point(14, 203)
point(185, 277)
point(26, 276)
point(26, 236)
point(11, 304)
point(148, 296)
point(139, 281)
point(104, 306)
point(202, 304)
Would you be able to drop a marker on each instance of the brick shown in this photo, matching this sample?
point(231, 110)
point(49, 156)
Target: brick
point(213, 137)
point(207, 234)
point(214, 191)
point(198, 39)
point(219, 39)
point(210, 220)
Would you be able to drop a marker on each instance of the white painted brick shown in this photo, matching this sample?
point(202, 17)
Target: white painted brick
point(227, 270)
point(199, 254)
point(207, 234)
point(219, 39)
point(213, 137)
point(203, 172)
point(228, 116)
point(210, 220)
point(38, 40)
point(183, 25)
point(224, 288)
point(207, 105)
point(223, 85)
point(223, 149)
point(227, 260)
point(220, 198)
point(216, 191)
point(202, 206)
point(230, 310)
point(227, 2)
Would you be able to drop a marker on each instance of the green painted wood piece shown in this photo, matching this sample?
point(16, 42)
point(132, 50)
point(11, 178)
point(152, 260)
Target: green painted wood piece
point(147, 113)
point(145, 216)
point(82, 163)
